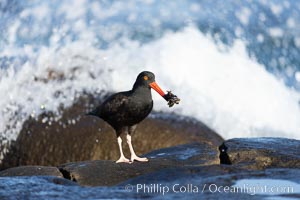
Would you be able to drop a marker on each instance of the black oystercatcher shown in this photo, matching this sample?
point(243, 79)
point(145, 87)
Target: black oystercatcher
point(124, 110)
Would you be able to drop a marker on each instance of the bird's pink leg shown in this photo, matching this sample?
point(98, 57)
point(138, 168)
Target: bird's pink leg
point(122, 157)
point(133, 155)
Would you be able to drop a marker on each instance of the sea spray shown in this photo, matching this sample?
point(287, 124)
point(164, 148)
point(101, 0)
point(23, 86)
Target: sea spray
point(220, 65)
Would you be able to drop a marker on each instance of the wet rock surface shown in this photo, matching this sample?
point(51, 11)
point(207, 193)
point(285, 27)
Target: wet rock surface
point(107, 173)
point(189, 171)
point(40, 187)
point(187, 154)
point(218, 182)
point(261, 153)
point(32, 171)
point(77, 137)
point(185, 182)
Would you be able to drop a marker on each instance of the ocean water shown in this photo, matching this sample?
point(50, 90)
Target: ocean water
point(268, 186)
point(234, 64)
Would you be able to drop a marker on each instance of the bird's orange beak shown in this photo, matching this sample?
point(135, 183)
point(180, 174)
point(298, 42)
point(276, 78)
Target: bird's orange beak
point(155, 87)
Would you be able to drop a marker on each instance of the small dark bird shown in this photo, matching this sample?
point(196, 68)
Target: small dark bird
point(124, 110)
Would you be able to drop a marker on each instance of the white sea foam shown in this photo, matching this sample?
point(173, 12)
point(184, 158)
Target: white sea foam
point(227, 90)
point(222, 87)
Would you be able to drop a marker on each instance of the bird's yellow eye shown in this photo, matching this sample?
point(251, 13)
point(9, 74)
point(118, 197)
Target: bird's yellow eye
point(146, 78)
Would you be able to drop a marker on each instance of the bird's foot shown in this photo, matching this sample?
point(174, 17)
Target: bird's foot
point(134, 157)
point(123, 160)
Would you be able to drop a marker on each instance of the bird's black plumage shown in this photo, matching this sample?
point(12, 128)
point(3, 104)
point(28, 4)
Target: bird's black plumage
point(124, 110)
point(130, 107)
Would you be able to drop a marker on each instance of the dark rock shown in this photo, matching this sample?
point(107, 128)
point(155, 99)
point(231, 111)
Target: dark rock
point(185, 182)
point(190, 171)
point(261, 153)
point(209, 182)
point(183, 174)
point(76, 137)
point(59, 181)
point(187, 154)
point(100, 173)
point(32, 171)
point(39, 187)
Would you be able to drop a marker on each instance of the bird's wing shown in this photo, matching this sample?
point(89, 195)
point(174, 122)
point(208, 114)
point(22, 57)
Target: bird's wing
point(114, 104)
